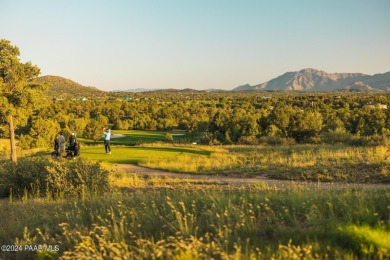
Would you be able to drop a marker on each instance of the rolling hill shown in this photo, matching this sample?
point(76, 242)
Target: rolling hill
point(63, 88)
point(317, 80)
point(359, 86)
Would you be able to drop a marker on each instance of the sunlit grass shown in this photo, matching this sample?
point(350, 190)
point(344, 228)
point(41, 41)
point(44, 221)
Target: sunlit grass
point(310, 162)
point(163, 218)
point(126, 180)
point(294, 162)
point(366, 239)
point(5, 150)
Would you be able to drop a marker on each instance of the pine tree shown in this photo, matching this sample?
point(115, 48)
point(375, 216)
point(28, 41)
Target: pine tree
point(19, 93)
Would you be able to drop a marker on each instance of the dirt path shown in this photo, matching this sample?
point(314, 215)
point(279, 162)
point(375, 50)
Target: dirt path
point(241, 181)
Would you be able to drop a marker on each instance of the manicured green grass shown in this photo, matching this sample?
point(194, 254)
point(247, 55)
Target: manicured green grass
point(134, 154)
point(133, 137)
point(124, 151)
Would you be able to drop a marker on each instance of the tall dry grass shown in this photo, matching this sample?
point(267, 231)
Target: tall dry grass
point(309, 162)
point(190, 223)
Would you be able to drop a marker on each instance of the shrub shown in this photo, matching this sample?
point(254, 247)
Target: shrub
point(26, 142)
point(76, 178)
point(314, 140)
point(39, 142)
point(356, 140)
point(40, 175)
point(276, 140)
point(29, 174)
point(376, 140)
point(273, 130)
point(251, 140)
point(206, 139)
point(334, 137)
point(4, 149)
point(168, 138)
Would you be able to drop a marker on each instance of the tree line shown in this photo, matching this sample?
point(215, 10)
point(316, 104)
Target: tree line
point(302, 118)
point(222, 117)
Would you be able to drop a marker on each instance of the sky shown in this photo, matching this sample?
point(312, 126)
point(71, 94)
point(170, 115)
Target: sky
point(199, 44)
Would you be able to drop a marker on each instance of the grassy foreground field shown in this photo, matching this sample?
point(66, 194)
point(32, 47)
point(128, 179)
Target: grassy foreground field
point(165, 219)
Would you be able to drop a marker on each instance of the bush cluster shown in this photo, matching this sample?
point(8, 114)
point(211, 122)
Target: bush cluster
point(38, 176)
point(28, 175)
point(76, 178)
point(4, 149)
point(331, 137)
point(350, 139)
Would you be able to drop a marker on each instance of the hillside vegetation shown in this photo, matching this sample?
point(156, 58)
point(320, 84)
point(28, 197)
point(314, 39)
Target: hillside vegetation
point(65, 88)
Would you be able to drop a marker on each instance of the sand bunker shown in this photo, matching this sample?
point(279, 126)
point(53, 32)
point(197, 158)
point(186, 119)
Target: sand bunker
point(117, 136)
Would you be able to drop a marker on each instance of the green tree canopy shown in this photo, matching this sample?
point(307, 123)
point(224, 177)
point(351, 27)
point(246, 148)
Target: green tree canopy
point(19, 93)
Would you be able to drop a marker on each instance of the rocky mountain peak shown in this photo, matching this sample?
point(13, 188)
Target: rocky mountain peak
point(310, 79)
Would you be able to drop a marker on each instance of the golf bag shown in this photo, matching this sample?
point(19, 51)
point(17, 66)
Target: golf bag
point(73, 150)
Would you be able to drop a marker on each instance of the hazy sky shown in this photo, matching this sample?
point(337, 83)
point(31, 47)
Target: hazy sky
point(196, 44)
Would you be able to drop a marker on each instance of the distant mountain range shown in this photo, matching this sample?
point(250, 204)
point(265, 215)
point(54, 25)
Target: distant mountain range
point(317, 80)
point(303, 80)
point(136, 90)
